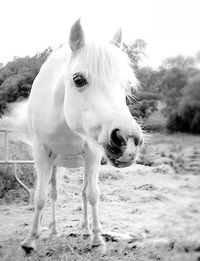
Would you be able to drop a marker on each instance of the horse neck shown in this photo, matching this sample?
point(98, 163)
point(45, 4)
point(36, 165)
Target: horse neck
point(58, 58)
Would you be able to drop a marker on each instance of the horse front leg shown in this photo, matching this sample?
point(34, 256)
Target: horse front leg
point(85, 225)
point(43, 165)
point(53, 197)
point(92, 165)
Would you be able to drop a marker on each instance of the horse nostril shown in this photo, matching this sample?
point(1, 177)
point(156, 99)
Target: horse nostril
point(117, 138)
point(138, 141)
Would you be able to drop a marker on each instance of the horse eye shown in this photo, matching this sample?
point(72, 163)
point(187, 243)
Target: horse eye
point(79, 80)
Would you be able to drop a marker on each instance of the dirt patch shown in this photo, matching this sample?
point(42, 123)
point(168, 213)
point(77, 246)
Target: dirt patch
point(148, 212)
point(157, 216)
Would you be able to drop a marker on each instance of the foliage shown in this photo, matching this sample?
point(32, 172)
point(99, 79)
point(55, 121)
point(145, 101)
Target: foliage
point(170, 86)
point(174, 74)
point(174, 84)
point(191, 93)
point(16, 77)
point(154, 127)
point(175, 123)
point(187, 117)
point(180, 62)
point(135, 52)
point(145, 102)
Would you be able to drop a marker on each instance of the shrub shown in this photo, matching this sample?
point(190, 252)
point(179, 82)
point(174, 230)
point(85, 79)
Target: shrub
point(189, 121)
point(154, 127)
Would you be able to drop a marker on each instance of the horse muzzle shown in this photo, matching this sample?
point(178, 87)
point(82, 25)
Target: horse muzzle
point(122, 151)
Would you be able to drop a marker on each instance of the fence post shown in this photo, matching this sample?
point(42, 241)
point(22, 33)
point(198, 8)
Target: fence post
point(6, 145)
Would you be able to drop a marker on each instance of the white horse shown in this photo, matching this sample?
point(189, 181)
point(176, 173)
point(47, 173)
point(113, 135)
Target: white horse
point(76, 112)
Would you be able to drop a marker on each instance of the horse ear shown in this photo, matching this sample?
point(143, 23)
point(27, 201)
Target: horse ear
point(76, 37)
point(117, 38)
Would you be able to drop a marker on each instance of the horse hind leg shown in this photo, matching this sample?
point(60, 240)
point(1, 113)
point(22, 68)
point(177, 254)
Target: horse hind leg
point(43, 165)
point(53, 197)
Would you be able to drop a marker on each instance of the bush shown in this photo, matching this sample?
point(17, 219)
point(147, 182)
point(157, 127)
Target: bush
point(154, 127)
point(16, 77)
point(189, 121)
point(175, 123)
point(187, 116)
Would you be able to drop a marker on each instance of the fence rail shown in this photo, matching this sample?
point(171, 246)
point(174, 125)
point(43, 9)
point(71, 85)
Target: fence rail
point(15, 163)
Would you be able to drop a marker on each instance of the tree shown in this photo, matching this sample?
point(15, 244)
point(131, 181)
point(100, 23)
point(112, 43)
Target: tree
point(179, 61)
point(145, 100)
point(135, 52)
point(16, 77)
point(174, 75)
point(147, 96)
point(170, 86)
point(189, 108)
point(197, 57)
point(187, 116)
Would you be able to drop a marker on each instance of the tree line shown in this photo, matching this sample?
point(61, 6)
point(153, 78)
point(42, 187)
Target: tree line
point(17, 76)
point(175, 84)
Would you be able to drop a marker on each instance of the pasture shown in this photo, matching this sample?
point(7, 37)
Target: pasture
point(149, 211)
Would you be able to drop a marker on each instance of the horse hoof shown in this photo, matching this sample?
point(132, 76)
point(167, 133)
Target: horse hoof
point(53, 233)
point(43, 229)
point(100, 249)
point(86, 236)
point(86, 233)
point(54, 236)
point(28, 247)
point(98, 244)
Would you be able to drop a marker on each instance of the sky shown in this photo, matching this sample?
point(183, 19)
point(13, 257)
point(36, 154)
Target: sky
point(170, 27)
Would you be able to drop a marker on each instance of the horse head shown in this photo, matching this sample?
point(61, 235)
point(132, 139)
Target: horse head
point(96, 84)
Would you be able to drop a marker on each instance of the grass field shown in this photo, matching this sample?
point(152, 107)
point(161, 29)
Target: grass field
point(149, 211)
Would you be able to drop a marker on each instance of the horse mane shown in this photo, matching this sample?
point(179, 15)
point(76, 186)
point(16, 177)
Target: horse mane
point(102, 61)
point(107, 62)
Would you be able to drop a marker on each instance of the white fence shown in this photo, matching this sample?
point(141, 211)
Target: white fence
point(15, 163)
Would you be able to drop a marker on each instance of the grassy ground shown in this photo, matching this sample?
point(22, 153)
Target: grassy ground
point(148, 212)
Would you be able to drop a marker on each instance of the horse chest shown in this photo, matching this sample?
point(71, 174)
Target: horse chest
point(65, 144)
point(69, 149)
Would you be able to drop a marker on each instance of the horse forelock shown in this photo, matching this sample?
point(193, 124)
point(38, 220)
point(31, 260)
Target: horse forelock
point(106, 62)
